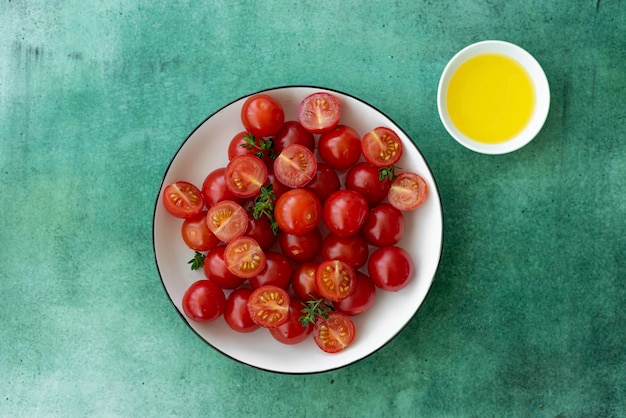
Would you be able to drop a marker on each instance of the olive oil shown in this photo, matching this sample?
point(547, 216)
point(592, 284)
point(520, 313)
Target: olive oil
point(490, 98)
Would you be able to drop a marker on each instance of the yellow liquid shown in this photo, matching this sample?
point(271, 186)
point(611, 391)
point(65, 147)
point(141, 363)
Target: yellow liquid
point(490, 98)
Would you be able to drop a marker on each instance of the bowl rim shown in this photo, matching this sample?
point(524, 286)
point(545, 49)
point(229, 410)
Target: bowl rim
point(157, 202)
point(538, 78)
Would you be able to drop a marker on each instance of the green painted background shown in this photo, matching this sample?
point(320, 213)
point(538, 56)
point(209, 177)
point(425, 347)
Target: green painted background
point(526, 317)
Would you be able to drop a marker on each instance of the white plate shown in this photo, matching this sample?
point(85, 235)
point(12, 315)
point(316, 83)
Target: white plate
point(206, 149)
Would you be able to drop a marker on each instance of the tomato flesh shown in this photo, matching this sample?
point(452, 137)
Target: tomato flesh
point(182, 199)
point(244, 257)
point(204, 301)
point(335, 280)
point(197, 235)
point(295, 166)
point(269, 306)
point(335, 333)
point(381, 147)
point(227, 220)
point(408, 191)
point(245, 175)
point(319, 112)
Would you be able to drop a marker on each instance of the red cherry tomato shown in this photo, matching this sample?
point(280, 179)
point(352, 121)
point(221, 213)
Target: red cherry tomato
point(324, 182)
point(261, 230)
point(381, 147)
point(214, 188)
point(361, 300)
point(269, 306)
point(303, 281)
point(383, 226)
point(244, 257)
point(245, 175)
point(236, 314)
point(182, 199)
point(197, 235)
point(344, 212)
point(293, 133)
point(319, 112)
point(216, 271)
point(204, 301)
point(239, 146)
point(298, 211)
point(277, 271)
point(335, 280)
point(277, 187)
point(335, 333)
point(292, 331)
point(340, 148)
point(262, 115)
point(390, 268)
point(365, 179)
point(302, 247)
point(295, 166)
point(352, 250)
point(408, 191)
point(227, 220)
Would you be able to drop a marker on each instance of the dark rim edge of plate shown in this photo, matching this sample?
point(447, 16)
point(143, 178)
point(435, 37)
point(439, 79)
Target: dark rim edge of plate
point(400, 329)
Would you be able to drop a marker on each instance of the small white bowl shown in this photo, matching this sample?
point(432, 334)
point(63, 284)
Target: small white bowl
point(539, 81)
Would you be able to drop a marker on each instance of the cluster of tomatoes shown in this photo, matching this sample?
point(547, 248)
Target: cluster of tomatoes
point(277, 230)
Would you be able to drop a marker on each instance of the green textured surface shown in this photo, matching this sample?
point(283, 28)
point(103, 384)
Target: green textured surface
point(526, 317)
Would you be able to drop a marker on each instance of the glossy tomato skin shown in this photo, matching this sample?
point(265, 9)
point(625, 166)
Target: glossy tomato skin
point(204, 301)
point(319, 112)
point(261, 230)
point(408, 191)
point(324, 182)
point(244, 257)
point(277, 187)
point(298, 211)
point(227, 220)
point(197, 235)
point(335, 280)
point(292, 331)
point(361, 300)
point(365, 179)
point(236, 314)
point(340, 148)
point(262, 115)
point(245, 175)
point(214, 188)
point(352, 250)
point(345, 212)
point(303, 281)
point(335, 333)
point(381, 147)
point(277, 271)
point(390, 268)
point(182, 200)
point(295, 166)
point(303, 247)
point(384, 225)
point(216, 271)
point(239, 146)
point(269, 306)
point(292, 132)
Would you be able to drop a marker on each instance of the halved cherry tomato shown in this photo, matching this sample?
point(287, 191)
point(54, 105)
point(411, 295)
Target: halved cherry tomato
point(383, 226)
point(277, 271)
point(245, 175)
point(214, 188)
point(227, 220)
point(324, 182)
point(334, 333)
point(295, 166)
point(204, 301)
point(381, 147)
point(340, 148)
point(236, 314)
point(292, 331)
point(408, 191)
point(319, 112)
point(344, 212)
point(301, 247)
point(361, 300)
point(298, 211)
point(292, 132)
point(352, 250)
point(244, 257)
point(197, 235)
point(335, 280)
point(182, 199)
point(262, 115)
point(390, 268)
point(215, 269)
point(269, 306)
point(303, 281)
point(365, 179)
